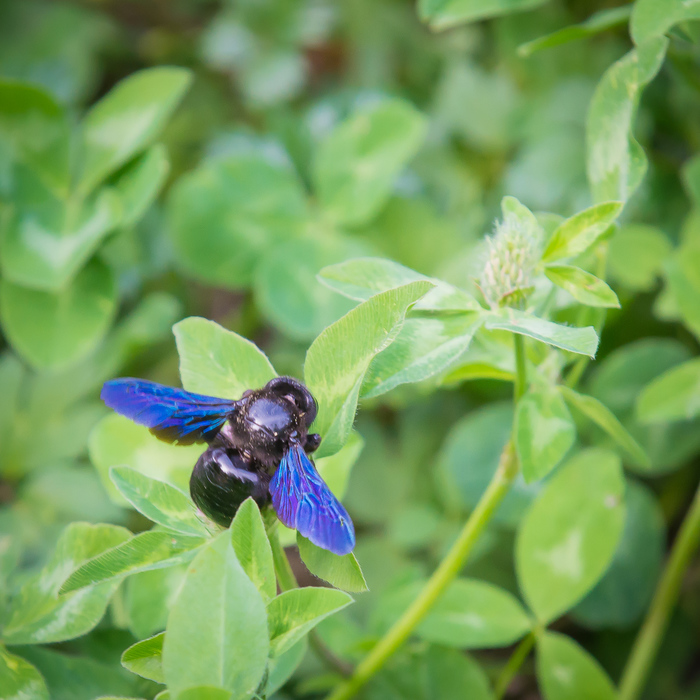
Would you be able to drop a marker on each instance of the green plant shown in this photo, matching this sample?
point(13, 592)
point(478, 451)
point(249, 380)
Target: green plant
point(528, 390)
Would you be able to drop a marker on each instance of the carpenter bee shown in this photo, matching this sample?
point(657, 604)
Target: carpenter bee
point(258, 446)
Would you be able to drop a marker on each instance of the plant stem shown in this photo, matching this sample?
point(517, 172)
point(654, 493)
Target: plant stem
point(650, 635)
point(287, 581)
point(520, 367)
point(283, 569)
point(454, 560)
point(446, 572)
point(513, 665)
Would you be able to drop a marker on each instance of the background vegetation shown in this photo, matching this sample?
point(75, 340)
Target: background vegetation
point(165, 160)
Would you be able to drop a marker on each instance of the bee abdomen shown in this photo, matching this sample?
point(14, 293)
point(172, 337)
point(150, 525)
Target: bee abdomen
point(222, 479)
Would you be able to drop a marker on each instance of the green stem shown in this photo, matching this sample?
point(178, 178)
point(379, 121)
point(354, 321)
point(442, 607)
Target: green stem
point(446, 572)
point(287, 581)
point(589, 315)
point(513, 665)
point(283, 569)
point(520, 367)
point(650, 635)
point(454, 560)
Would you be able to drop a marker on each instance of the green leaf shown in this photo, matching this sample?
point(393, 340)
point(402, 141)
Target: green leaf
point(77, 677)
point(218, 362)
point(286, 288)
point(398, 232)
point(636, 255)
point(673, 396)
point(544, 431)
point(653, 18)
point(145, 658)
point(158, 501)
point(569, 536)
point(423, 348)
point(616, 163)
point(294, 613)
point(342, 572)
point(12, 376)
point(19, 679)
point(149, 550)
point(149, 323)
point(139, 184)
point(356, 165)
point(690, 175)
point(583, 286)
point(338, 359)
point(598, 22)
point(567, 672)
point(37, 133)
point(583, 341)
point(282, 667)
point(225, 215)
point(428, 674)
point(252, 548)
point(478, 105)
point(116, 440)
point(473, 614)
point(575, 235)
point(148, 597)
point(444, 14)
point(451, 674)
point(38, 615)
point(127, 120)
point(623, 594)
point(48, 240)
point(490, 356)
point(619, 380)
point(335, 469)
point(220, 613)
point(470, 457)
point(683, 287)
point(362, 278)
point(602, 416)
point(204, 692)
point(54, 330)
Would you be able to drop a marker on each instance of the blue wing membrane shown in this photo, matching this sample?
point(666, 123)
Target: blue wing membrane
point(173, 415)
point(303, 501)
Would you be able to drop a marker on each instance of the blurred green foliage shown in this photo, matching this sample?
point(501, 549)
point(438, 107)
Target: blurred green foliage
point(284, 167)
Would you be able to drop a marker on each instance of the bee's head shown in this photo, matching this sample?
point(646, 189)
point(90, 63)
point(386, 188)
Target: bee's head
point(297, 394)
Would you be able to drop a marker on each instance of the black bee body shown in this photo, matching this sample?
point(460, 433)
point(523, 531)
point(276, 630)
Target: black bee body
point(242, 457)
point(222, 479)
point(258, 446)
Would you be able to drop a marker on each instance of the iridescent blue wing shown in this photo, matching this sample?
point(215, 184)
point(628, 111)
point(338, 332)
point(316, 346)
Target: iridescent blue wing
point(171, 414)
point(303, 501)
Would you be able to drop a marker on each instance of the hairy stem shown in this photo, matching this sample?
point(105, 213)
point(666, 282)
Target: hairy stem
point(513, 665)
point(287, 581)
point(652, 631)
point(283, 569)
point(446, 572)
point(454, 560)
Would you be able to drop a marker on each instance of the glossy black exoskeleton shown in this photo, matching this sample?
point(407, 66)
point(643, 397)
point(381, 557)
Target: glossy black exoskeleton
point(222, 479)
point(241, 458)
point(258, 446)
point(268, 419)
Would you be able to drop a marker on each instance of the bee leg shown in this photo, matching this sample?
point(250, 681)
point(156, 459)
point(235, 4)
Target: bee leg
point(313, 440)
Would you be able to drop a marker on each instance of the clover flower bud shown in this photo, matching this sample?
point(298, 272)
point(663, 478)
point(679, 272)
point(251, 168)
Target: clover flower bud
point(512, 253)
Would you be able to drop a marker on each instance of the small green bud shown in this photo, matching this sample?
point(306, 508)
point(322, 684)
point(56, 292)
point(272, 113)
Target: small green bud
point(512, 253)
